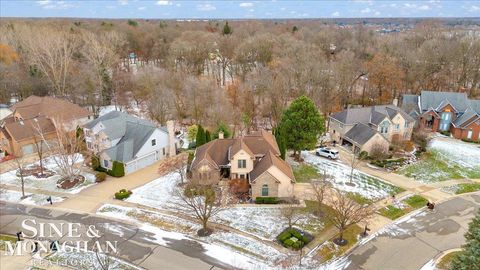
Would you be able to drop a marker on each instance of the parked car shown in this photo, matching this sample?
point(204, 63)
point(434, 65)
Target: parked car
point(327, 152)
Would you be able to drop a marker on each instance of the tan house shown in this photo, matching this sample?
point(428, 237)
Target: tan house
point(254, 157)
point(35, 118)
point(369, 128)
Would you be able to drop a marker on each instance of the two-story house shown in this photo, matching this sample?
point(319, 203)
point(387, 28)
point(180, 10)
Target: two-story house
point(35, 120)
point(445, 111)
point(369, 128)
point(135, 142)
point(254, 157)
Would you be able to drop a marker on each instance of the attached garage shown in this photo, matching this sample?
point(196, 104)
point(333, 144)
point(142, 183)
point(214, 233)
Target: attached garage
point(141, 163)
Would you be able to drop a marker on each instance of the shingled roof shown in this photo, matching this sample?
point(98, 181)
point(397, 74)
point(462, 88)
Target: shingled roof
point(360, 133)
point(50, 107)
point(269, 160)
point(373, 114)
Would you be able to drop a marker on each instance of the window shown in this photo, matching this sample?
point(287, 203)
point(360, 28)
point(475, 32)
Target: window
point(163, 150)
point(397, 126)
point(154, 142)
point(469, 134)
point(89, 145)
point(265, 190)
point(446, 116)
point(406, 124)
point(242, 163)
point(105, 163)
point(242, 176)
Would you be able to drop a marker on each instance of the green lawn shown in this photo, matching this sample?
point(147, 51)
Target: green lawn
point(359, 198)
point(468, 187)
point(330, 250)
point(444, 263)
point(412, 203)
point(305, 173)
point(433, 167)
point(4, 238)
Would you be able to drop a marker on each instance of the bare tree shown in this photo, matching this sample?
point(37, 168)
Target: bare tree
point(180, 166)
point(353, 162)
point(21, 164)
point(203, 202)
point(346, 212)
point(291, 213)
point(319, 188)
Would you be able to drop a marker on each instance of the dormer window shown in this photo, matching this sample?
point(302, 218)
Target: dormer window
point(154, 142)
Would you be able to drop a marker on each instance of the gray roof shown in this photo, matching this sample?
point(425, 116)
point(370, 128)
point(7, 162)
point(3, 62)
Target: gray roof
point(431, 99)
point(475, 105)
point(373, 114)
point(360, 133)
point(133, 133)
point(410, 104)
point(467, 115)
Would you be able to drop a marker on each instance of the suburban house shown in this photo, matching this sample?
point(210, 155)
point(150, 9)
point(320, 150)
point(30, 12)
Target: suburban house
point(371, 128)
point(445, 111)
point(134, 142)
point(4, 111)
point(37, 118)
point(254, 158)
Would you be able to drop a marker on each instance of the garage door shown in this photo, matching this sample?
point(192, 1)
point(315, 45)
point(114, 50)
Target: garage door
point(28, 149)
point(140, 163)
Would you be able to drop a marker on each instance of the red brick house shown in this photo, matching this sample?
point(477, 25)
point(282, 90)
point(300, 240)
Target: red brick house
point(445, 111)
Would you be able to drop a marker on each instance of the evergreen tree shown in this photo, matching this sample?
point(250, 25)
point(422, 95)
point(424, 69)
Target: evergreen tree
point(469, 257)
point(207, 136)
point(281, 143)
point(227, 30)
point(301, 124)
point(224, 128)
point(200, 136)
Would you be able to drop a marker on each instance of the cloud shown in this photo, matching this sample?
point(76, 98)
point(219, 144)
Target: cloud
point(163, 3)
point(251, 10)
point(377, 13)
point(336, 14)
point(206, 7)
point(365, 10)
point(49, 4)
point(246, 4)
point(475, 8)
point(123, 2)
point(424, 7)
point(141, 8)
point(43, 3)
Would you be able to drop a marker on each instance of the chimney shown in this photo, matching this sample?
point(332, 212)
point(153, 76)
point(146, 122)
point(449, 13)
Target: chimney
point(220, 135)
point(172, 148)
point(395, 101)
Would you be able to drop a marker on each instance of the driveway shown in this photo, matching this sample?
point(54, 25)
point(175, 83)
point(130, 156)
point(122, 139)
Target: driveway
point(413, 241)
point(134, 245)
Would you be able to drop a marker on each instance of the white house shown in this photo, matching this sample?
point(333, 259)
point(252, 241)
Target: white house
point(135, 142)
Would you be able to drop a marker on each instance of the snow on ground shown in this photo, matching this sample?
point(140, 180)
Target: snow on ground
point(226, 252)
point(430, 265)
point(106, 109)
point(87, 260)
point(31, 199)
point(50, 183)
point(465, 154)
point(365, 185)
point(159, 193)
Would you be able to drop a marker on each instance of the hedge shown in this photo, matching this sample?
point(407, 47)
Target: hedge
point(100, 177)
point(266, 200)
point(122, 194)
point(118, 170)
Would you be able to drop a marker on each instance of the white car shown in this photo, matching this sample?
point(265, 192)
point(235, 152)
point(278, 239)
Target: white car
point(327, 152)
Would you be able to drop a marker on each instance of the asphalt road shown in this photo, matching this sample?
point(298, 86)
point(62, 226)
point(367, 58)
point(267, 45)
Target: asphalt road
point(411, 243)
point(134, 245)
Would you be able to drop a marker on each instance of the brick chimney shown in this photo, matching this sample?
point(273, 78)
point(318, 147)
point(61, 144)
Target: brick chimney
point(395, 101)
point(220, 135)
point(172, 149)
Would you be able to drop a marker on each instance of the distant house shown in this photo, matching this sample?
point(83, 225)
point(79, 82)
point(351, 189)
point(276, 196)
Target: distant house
point(20, 131)
point(4, 111)
point(369, 128)
point(135, 142)
point(445, 111)
point(254, 158)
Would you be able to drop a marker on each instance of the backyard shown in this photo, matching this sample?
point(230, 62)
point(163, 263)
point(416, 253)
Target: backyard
point(446, 159)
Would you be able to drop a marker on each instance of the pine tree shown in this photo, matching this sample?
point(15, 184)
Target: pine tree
point(469, 257)
point(227, 30)
point(301, 125)
point(200, 140)
point(207, 136)
point(281, 143)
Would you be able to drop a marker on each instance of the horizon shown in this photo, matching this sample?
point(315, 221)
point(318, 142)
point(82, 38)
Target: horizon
point(239, 10)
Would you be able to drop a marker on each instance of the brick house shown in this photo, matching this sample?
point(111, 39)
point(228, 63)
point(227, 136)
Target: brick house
point(445, 111)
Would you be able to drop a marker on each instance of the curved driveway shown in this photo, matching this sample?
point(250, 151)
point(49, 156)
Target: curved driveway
point(413, 241)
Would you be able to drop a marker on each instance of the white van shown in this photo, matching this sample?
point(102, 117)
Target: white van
point(327, 152)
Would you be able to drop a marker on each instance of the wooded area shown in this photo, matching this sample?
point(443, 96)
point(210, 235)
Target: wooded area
point(244, 73)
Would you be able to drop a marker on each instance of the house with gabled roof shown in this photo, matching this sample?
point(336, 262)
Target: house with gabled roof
point(253, 158)
point(371, 128)
point(445, 111)
point(134, 142)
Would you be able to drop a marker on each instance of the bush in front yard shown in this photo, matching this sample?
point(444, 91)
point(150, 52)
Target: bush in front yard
point(95, 163)
point(100, 177)
point(293, 238)
point(117, 170)
point(122, 194)
point(266, 200)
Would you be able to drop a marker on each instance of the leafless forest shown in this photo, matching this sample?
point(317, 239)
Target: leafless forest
point(242, 74)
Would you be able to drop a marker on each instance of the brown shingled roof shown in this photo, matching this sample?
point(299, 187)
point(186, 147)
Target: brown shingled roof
point(51, 107)
point(26, 129)
point(269, 160)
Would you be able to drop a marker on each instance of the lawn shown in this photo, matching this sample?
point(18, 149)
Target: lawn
point(403, 207)
point(330, 250)
point(467, 187)
point(446, 159)
point(444, 263)
point(304, 173)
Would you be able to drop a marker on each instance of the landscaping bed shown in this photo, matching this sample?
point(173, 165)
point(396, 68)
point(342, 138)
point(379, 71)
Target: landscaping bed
point(36, 171)
point(294, 238)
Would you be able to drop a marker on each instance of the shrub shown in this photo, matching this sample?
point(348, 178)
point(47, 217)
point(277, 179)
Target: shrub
point(288, 243)
point(363, 155)
point(298, 244)
point(446, 133)
point(118, 169)
point(95, 163)
point(409, 146)
point(284, 236)
point(122, 194)
point(266, 200)
point(100, 177)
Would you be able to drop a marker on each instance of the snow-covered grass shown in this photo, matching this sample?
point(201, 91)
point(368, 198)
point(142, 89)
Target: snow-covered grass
point(446, 159)
point(366, 185)
point(233, 249)
point(88, 261)
point(31, 199)
point(50, 183)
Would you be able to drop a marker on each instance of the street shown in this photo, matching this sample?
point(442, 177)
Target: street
point(412, 242)
point(134, 245)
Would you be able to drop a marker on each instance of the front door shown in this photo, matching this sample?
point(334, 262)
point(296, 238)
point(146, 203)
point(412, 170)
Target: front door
point(469, 134)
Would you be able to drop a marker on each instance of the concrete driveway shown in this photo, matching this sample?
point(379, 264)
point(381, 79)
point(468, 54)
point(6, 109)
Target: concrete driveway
point(411, 242)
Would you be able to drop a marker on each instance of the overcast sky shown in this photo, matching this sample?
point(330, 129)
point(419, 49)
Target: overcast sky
point(238, 9)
